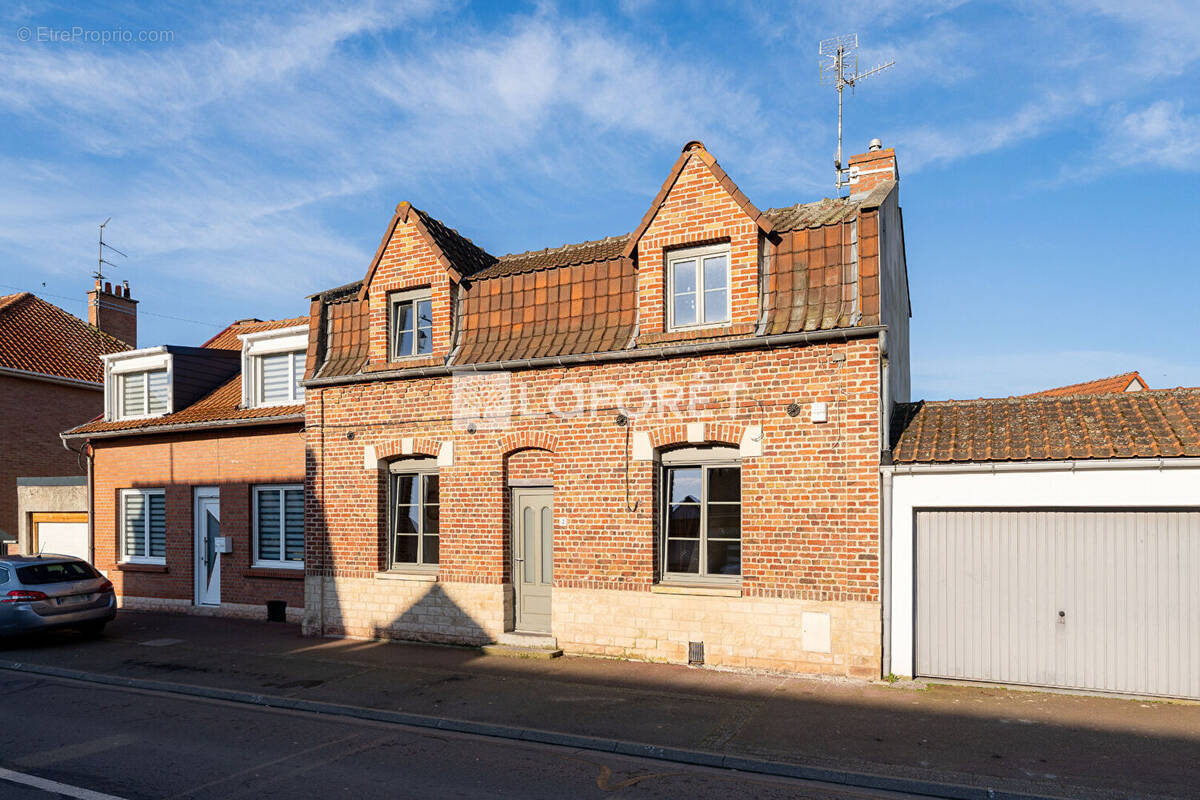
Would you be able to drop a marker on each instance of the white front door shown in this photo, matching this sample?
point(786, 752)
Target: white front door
point(208, 560)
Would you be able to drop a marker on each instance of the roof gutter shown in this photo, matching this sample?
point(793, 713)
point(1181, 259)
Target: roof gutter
point(47, 378)
point(184, 426)
point(609, 356)
point(1134, 462)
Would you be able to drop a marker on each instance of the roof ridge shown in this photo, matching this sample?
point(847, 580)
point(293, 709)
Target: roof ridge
point(455, 231)
point(9, 300)
point(563, 247)
point(1039, 398)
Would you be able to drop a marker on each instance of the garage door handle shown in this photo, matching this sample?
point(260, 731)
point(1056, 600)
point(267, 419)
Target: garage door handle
point(1062, 618)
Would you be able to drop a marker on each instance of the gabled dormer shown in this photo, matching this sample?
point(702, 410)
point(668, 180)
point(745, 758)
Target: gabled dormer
point(157, 381)
point(697, 254)
point(410, 289)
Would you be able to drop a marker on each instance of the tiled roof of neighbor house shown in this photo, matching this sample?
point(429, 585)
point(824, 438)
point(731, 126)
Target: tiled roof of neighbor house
point(1117, 383)
point(826, 212)
point(1149, 424)
point(36, 336)
point(222, 405)
point(582, 298)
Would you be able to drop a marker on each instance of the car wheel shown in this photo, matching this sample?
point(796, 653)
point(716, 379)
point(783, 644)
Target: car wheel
point(93, 629)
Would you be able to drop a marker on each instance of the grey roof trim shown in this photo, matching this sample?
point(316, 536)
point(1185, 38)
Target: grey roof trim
point(185, 426)
point(62, 480)
point(643, 354)
point(1074, 465)
point(48, 378)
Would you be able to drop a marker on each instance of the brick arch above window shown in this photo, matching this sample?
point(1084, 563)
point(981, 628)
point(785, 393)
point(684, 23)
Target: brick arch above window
point(389, 449)
point(528, 440)
point(725, 433)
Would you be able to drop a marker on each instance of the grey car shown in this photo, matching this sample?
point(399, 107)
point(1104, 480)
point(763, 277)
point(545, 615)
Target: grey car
point(43, 592)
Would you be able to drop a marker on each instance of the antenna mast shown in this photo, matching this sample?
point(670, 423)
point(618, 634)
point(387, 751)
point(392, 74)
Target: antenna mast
point(100, 259)
point(839, 68)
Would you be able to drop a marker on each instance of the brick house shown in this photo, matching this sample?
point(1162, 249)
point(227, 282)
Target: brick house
point(198, 472)
point(51, 379)
point(663, 445)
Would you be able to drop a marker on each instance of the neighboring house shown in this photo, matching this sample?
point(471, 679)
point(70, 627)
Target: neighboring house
point(198, 464)
point(472, 474)
point(1125, 382)
point(51, 379)
point(1052, 541)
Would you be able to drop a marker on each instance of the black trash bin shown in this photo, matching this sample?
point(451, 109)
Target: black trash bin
point(277, 611)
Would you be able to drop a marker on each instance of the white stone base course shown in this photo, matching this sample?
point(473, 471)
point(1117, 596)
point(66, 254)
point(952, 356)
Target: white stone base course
point(415, 610)
point(737, 632)
point(230, 610)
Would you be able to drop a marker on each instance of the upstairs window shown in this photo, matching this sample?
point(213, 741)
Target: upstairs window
point(698, 287)
point(273, 366)
point(143, 394)
point(411, 324)
point(279, 376)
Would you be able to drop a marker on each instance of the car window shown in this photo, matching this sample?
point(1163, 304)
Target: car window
point(61, 572)
point(3, 575)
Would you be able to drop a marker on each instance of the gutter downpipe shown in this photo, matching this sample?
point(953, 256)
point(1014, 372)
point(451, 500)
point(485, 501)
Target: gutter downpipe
point(885, 512)
point(86, 452)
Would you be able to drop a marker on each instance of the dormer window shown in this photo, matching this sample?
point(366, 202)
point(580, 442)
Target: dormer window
point(137, 384)
point(273, 367)
point(411, 324)
point(143, 394)
point(698, 287)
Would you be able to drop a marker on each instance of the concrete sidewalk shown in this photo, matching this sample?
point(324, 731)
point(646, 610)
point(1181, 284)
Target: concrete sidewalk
point(1033, 742)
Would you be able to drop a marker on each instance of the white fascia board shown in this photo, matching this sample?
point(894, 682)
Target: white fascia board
point(280, 340)
point(1131, 483)
point(136, 360)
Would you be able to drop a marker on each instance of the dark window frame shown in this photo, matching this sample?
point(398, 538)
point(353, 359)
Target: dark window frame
point(413, 299)
point(423, 471)
point(704, 460)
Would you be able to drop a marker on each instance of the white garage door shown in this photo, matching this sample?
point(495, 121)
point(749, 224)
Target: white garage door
point(63, 538)
point(1088, 599)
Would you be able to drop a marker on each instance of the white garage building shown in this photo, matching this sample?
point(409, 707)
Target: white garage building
point(1048, 541)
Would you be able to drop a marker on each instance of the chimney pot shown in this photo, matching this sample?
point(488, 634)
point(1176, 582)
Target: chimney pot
point(108, 287)
point(125, 288)
point(875, 145)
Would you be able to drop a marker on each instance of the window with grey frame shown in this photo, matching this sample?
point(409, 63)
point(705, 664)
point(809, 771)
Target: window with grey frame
point(411, 324)
point(413, 523)
point(701, 517)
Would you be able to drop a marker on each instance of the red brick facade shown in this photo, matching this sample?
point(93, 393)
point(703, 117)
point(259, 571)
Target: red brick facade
point(32, 414)
point(232, 461)
point(808, 594)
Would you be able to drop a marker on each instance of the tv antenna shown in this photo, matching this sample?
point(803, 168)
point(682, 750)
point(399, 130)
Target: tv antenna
point(100, 259)
point(839, 68)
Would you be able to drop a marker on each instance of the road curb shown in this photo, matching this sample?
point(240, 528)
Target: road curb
point(863, 780)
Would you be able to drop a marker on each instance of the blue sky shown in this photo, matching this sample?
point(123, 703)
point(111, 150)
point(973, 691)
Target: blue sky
point(1048, 153)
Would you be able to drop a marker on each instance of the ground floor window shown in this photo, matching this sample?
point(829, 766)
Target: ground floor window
point(144, 526)
point(279, 526)
point(701, 514)
point(413, 516)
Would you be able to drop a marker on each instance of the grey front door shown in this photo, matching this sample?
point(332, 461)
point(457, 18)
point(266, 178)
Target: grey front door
point(533, 557)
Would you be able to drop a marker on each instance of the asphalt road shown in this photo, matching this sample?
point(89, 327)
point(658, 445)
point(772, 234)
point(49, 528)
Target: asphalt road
point(95, 740)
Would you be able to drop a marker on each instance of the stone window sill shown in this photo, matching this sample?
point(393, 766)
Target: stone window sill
point(732, 590)
point(274, 572)
point(132, 567)
point(396, 575)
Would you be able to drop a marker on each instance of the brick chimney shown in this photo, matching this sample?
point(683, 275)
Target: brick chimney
point(869, 169)
point(112, 310)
